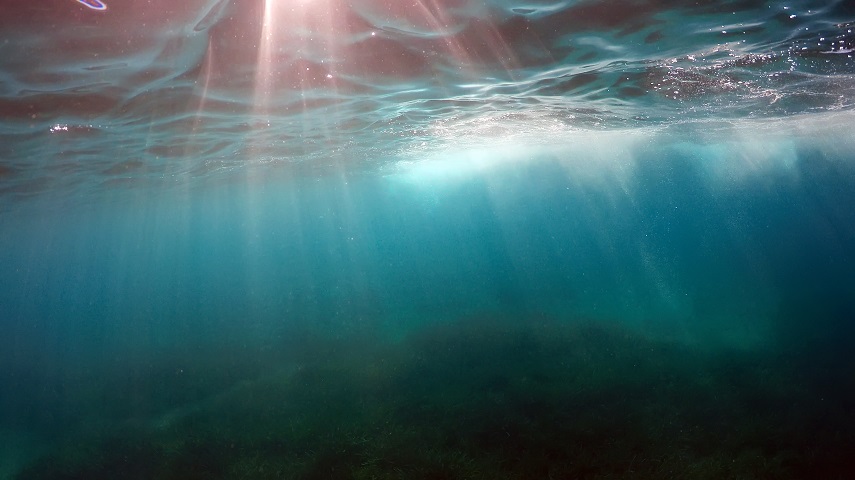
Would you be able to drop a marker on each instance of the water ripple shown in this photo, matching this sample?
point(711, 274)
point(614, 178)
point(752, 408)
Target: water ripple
point(205, 81)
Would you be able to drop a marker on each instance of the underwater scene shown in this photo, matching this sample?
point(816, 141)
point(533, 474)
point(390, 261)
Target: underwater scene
point(427, 239)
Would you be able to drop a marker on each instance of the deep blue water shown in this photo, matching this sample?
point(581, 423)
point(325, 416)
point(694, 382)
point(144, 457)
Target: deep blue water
point(429, 239)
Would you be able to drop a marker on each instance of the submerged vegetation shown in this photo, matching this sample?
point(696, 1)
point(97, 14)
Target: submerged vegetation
point(480, 398)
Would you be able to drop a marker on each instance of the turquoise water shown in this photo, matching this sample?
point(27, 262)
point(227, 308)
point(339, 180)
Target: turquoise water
point(455, 239)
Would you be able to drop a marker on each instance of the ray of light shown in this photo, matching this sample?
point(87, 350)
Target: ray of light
point(265, 57)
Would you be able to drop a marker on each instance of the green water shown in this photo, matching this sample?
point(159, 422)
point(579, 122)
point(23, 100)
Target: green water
point(653, 309)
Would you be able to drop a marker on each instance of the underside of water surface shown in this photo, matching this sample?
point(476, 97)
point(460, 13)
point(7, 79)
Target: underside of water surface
point(318, 239)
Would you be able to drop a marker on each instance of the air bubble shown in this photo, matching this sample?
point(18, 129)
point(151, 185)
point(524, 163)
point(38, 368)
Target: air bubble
point(93, 4)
